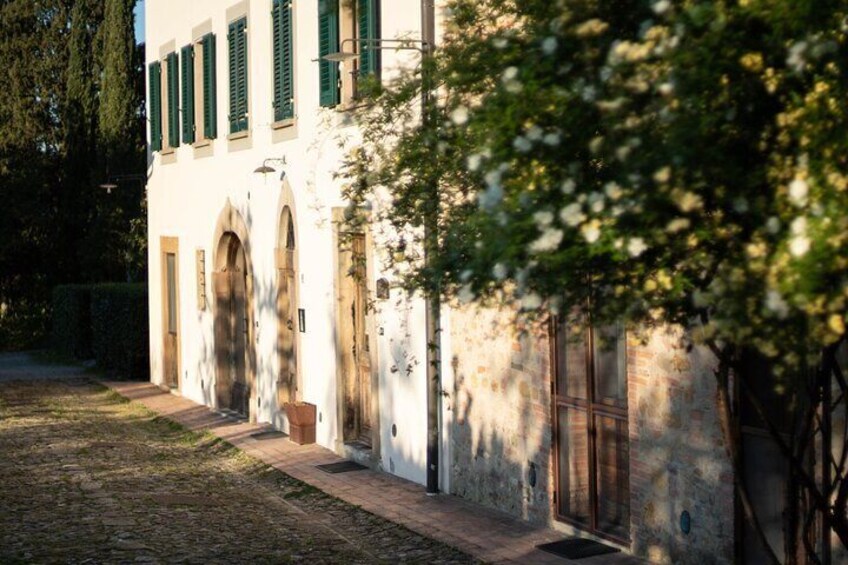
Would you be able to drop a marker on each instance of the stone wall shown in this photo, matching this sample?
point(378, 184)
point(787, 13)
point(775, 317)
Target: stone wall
point(501, 401)
point(502, 414)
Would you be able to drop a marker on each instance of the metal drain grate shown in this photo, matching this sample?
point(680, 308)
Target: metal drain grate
point(341, 467)
point(577, 548)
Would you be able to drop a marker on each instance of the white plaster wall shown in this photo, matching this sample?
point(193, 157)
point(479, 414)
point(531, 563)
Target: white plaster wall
point(186, 196)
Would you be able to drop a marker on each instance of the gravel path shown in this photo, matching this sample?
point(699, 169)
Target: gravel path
point(86, 477)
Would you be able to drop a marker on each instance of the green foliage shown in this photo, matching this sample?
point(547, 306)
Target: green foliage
point(56, 224)
point(72, 320)
point(666, 161)
point(120, 332)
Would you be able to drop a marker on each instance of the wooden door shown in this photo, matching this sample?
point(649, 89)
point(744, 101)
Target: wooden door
point(361, 345)
point(591, 429)
point(287, 377)
point(170, 313)
point(223, 337)
point(241, 338)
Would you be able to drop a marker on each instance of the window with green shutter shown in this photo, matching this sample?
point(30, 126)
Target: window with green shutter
point(281, 16)
point(368, 28)
point(187, 75)
point(210, 88)
point(173, 100)
point(154, 110)
point(237, 39)
point(328, 42)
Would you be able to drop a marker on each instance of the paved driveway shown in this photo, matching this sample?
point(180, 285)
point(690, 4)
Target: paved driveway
point(86, 477)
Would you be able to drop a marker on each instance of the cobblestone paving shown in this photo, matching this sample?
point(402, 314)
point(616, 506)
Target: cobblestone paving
point(86, 477)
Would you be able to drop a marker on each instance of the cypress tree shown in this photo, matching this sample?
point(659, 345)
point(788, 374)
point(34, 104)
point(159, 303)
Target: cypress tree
point(118, 107)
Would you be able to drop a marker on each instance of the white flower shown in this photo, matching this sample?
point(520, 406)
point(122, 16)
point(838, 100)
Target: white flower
point(531, 301)
point(493, 178)
point(776, 304)
point(491, 197)
point(568, 186)
point(460, 115)
point(572, 215)
point(596, 144)
point(499, 271)
point(662, 175)
point(796, 59)
point(548, 241)
point(613, 190)
point(677, 225)
point(661, 6)
point(622, 153)
point(543, 218)
point(551, 139)
point(534, 133)
point(510, 80)
point(589, 93)
point(636, 246)
point(514, 87)
point(522, 144)
point(474, 161)
point(500, 42)
point(591, 232)
point(798, 191)
point(465, 275)
point(688, 201)
point(509, 74)
point(799, 226)
point(465, 294)
point(666, 89)
point(773, 225)
point(799, 245)
point(549, 45)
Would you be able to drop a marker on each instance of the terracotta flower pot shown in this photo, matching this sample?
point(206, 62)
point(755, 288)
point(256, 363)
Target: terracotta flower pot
point(301, 417)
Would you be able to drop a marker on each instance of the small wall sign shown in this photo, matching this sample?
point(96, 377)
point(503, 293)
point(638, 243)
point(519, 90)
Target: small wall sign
point(301, 320)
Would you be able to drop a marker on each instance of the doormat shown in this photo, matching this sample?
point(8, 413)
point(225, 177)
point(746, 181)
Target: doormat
point(341, 467)
point(269, 434)
point(577, 548)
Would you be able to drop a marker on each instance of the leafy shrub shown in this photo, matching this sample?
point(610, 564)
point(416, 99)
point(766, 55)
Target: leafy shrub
point(120, 333)
point(72, 320)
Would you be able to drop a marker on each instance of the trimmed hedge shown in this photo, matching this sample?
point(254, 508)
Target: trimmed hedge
point(71, 335)
point(120, 329)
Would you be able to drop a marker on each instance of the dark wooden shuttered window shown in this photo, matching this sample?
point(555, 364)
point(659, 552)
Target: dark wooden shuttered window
point(187, 56)
point(283, 71)
point(368, 28)
point(210, 88)
point(328, 42)
point(237, 39)
point(154, 111)
point(173, 100)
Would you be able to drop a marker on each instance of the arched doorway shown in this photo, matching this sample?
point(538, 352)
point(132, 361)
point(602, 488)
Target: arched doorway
point(287, 309)
point(234, 384)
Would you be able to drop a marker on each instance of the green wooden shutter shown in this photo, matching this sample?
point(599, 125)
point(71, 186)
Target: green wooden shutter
point(237, 38)
point(328, 42)
point(283, 68)
point(188, 93)
point(210, 88)
point(154, 111)
point(173, 101)
point(368, 15)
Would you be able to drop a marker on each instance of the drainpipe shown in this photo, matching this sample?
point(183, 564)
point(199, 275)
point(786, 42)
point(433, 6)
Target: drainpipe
point(433, 309)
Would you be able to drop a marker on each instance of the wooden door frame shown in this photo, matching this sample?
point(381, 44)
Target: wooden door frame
point(339, 228)
point(587, 406)
point(284, 261)
point(231, 224)
point(170, 245)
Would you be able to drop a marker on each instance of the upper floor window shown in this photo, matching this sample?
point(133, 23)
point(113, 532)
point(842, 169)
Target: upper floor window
point(237, 40)
point(282, 29)
point(164, 103)
point(199, 100)
point(351, 26)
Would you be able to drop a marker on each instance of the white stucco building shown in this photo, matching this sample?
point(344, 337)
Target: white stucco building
point(250, 302)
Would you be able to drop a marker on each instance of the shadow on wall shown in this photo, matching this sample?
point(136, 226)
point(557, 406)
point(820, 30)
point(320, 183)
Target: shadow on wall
point(502, 430)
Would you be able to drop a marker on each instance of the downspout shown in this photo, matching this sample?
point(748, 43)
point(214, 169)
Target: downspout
point(433, 308)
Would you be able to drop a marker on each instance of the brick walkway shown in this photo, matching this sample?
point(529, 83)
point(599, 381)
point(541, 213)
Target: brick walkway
point(488, 535)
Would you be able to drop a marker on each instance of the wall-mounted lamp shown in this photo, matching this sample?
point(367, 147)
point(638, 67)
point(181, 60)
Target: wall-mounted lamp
point(113, 181)
point(266, 168)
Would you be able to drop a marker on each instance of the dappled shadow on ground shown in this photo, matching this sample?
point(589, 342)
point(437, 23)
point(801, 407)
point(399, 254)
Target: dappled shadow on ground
point(87, 476)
